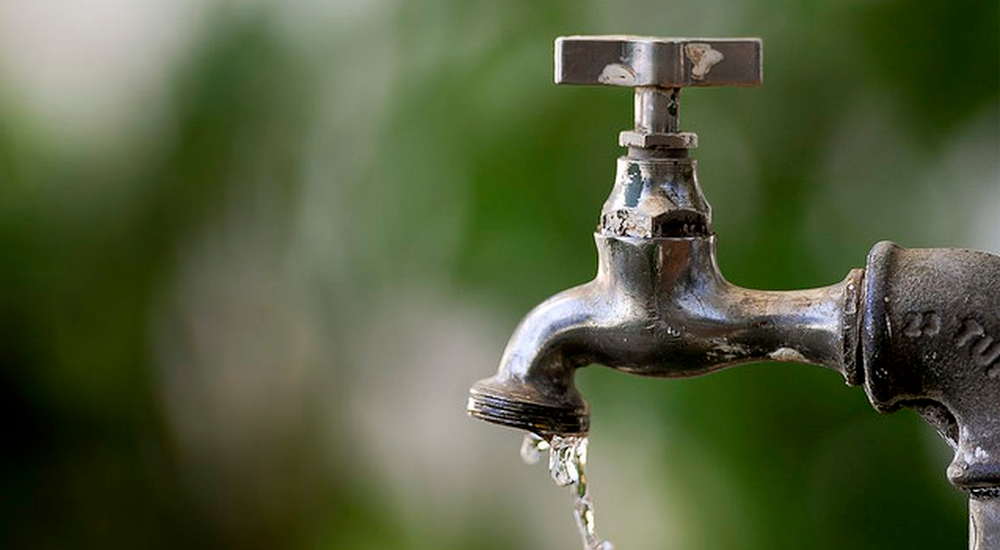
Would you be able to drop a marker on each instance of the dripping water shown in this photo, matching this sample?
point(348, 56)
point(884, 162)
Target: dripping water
point(567, 461)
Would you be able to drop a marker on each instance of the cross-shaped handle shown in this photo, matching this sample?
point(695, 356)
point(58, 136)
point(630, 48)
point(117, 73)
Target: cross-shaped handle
point(636, 61)
point(657, 68)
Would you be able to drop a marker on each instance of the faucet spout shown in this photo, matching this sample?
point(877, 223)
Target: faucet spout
point(659, 308)
point(533, 388)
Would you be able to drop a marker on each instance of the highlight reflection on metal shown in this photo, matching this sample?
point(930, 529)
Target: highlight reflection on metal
point(918, 328)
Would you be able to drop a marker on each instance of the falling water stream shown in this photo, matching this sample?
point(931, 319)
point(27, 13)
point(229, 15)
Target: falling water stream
point(567, 461)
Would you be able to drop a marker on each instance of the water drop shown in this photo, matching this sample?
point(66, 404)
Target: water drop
point(532, 448)
point(567, 462)
point(565, 459)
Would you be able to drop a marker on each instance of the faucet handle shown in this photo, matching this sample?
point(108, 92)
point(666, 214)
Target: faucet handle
point(636, 61)
point(657, 68)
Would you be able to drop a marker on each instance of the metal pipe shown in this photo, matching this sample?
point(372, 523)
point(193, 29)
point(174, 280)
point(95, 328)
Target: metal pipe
point(657, 110)
point(984, 521)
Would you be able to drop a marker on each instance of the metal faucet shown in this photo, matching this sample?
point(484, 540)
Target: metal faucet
point(918, 328)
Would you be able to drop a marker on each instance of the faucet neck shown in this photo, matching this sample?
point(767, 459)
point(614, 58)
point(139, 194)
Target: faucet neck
point(656, 197)
point(657, 269)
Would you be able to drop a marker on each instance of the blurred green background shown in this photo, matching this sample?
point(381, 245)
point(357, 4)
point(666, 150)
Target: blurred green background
point(253, 254)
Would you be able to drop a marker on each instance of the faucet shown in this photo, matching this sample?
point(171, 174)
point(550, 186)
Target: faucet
point(917, 328)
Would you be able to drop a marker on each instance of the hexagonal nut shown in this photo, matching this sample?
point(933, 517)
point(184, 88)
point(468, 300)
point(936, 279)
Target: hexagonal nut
point(674, 223)
point(681, 140)
point(626, 223)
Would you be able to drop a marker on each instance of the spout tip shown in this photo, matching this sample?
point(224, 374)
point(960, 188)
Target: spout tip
point(509, 404)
